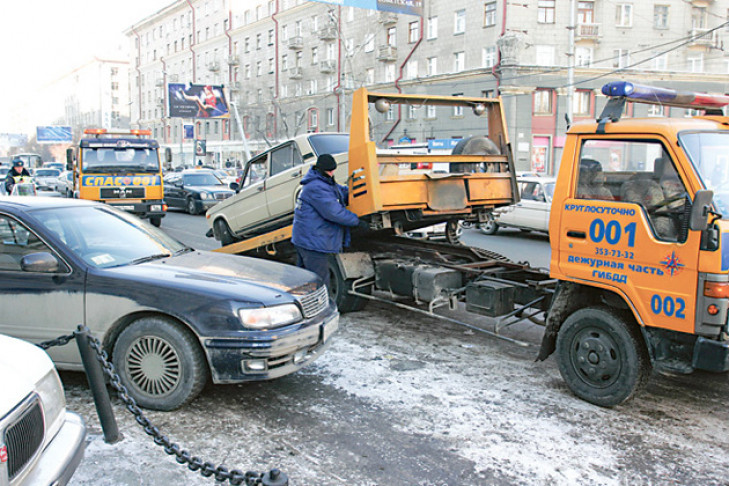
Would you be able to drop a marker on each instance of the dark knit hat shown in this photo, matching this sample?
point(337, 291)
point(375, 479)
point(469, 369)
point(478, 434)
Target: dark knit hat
point(325, 162)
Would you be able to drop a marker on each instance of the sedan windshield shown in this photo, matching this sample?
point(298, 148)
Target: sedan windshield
point(106, 237)
point(331, 143)
point(200, 180)
point(709, 153)
point(47, 172)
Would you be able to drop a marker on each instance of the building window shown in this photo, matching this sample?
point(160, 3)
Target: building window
point(314, 55)
point(284, 62)
point(696, 63)
point(585, 12)
point(489, 56)
point(413, 31)
point(432, 27)
point(545, 55)
point(430, 111)
point(581, 103)
point(660, 62)
point(412, 69)
point(392, 36)
point(259, 68)
point(330, 116)
point(285, 32)
point(259, 41)
point(621, 58)
point(370, 44)
point(656, 110)
point(432, 66)
point(459, 23)
point(270, 65)
point(698, 17)
point(270, 37)
point(412, 113)
point(583, 56)
point(298, 26)
point(489, 14)
point(247, 45)
point(389, 73)
point(545, 11)
point(543, 102)
point(459, 61)
point(370, 76)
point(660, 16)
point(624, 15)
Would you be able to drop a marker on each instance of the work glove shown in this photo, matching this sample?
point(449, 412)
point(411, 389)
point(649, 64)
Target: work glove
point(363, 225)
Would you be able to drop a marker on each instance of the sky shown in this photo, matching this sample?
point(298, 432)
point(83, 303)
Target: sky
point(44, 39)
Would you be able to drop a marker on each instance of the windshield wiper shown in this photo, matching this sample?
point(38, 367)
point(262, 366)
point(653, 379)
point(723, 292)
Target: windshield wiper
point(149, 258)
point(183, 251)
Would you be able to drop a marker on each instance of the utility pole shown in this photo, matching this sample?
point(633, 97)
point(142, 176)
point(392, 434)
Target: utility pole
point(571, 62)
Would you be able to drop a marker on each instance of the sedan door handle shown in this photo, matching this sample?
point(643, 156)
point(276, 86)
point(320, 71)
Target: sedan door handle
point(296, 174)
point(577, 234)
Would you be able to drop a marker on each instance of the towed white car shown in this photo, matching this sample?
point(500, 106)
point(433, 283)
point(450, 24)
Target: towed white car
point(41, 443)
point(531, 213)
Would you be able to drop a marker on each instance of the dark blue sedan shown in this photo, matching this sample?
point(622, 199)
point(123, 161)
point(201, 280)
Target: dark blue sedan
point(170, 317)
point(195, 190)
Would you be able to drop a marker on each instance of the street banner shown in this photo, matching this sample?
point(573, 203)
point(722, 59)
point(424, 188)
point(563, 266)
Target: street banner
point(189, 132)
point(443, 143)
point(411, 7)
point(197, 101)
point(200, 147)
point(13, 140)
point(53, 134)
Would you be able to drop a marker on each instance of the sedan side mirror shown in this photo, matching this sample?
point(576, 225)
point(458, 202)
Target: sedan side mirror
point(700, 210)
point(234, 186)
point(41, 262)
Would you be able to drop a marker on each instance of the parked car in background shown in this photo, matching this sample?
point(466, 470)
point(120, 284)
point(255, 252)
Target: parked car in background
point(227, 175)
point(531, 213)
point(45, 178)
point(64, 183)
point(41, 443)
point(271, 182)
point(450, 231)
point(54, 165)
point(170, 317)
point(3, 174)
point(195, 190)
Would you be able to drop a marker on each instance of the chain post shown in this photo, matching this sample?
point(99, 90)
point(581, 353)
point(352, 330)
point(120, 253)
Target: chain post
point(275, 478)
point(95, 376)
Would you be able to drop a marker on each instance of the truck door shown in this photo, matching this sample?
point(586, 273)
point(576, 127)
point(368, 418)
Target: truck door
point(286, 174)
point(622, 229)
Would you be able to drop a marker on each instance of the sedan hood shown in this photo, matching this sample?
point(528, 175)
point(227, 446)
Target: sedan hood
point(22, 365)
point(229, 276)
point(219, 188)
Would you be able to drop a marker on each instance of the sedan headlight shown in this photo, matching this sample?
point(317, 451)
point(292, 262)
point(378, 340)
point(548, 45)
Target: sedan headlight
point(270, 317)
point(205, 195)
point(53, 399)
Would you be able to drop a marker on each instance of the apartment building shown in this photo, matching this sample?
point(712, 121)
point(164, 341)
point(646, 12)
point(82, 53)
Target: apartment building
point(290, 66)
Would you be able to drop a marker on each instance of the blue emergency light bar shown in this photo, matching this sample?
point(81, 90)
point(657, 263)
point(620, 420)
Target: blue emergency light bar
point(662, 96)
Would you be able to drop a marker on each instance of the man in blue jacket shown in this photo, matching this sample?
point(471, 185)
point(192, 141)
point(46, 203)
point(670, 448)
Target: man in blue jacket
point(321, 219)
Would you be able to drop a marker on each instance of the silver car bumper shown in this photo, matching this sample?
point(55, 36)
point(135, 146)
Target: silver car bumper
point(62, 455)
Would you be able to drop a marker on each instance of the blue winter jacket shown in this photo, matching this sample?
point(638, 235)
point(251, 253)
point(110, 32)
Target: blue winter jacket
point(321, 219)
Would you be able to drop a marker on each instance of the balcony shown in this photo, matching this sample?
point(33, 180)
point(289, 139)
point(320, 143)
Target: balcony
point(235, 86)
point(387, 18)
point(214, 66)
point(328, 66)
point(587, 32)
point(387, 53)
point(296, 72)
point(296, 42)
point(328, 32)
point(704, 38)
point(233, 60)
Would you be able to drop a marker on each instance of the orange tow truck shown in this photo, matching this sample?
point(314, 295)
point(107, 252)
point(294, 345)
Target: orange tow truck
point(122, 169)
point(639, 272)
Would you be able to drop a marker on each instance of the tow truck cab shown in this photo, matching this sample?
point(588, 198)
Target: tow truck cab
point(637, 230)
point(121, 169)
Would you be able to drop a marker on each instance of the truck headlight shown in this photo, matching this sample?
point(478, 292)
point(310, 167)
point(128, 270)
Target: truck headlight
point(270, 317)
point(205, 195)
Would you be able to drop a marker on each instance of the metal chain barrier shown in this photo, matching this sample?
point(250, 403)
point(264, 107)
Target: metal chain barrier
point(236, 477)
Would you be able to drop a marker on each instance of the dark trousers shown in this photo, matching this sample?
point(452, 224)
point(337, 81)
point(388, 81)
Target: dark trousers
point(314, 261)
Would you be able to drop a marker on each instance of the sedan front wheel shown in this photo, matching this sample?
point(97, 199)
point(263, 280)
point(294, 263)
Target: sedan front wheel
point(160, 363)
point(191, 206)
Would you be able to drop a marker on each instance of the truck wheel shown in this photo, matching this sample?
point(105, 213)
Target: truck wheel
point(160, 363)
point(338, 287)
point(602, 356)
point(490, 227)
point(191, 206)
point(156, 221)
point(223, 233)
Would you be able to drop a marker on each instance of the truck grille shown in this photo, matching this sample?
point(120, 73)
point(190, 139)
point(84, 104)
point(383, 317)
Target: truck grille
point(24, 434)
point(121, 192)
point(315, 302)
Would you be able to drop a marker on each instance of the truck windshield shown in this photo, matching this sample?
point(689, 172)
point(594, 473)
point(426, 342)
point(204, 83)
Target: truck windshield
point(709, 153)
point(100, 160)
point(337, 143)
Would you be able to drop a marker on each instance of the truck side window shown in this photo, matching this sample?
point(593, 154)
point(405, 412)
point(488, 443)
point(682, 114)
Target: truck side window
point(591, 181)
point(639, 172)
